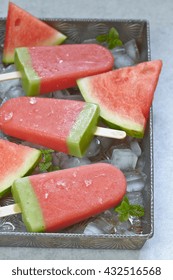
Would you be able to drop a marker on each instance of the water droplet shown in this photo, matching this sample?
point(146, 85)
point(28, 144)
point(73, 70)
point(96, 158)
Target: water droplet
point(8, 116)
point(88, 182)
point(46, 195)
point(32, 100)
point(61, 183)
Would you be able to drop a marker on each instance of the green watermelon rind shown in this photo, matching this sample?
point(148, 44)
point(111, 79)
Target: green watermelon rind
point(30, 79)
point(83, 130)
point(24, 195)
point(112, 119)
point(31, 160)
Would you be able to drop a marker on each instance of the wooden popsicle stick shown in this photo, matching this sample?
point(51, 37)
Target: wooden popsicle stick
point(111, 133)
point(10, 76)
point(9, 210)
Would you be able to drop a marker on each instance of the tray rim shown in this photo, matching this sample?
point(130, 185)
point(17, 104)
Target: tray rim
point(144, 236)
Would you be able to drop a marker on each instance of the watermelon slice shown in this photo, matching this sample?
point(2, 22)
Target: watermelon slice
point(25, 30)
point(124, 95)
point(15, 161)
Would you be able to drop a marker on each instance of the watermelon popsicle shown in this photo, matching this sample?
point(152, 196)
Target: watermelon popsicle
point(63, 125)
point(53, 201)
point(50, 68)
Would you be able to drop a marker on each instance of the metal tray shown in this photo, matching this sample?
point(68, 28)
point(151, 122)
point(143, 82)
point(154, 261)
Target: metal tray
point(78, 31)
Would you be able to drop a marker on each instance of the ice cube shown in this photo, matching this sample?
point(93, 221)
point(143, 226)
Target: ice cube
point(135, 180)
point(74, 161)
point(124, 159)
point(141, 162)
point(132, 50)
point(117, 51)
point(92, 229)
point(10, 68)
point(100, 226)
point(136, 224)
point(61, 94)
point(9, 86)
point(123, 227)
point(94, 148)
point(60, 159)
point(135, 147)
point(122, 59)
point(106, 143)
point(14, 91)
point(135, 198)
point(75, 97)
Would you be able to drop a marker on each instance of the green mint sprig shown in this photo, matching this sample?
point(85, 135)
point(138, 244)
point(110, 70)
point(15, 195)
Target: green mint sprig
point(46, 163)
point(111, 38)
point(125, 210)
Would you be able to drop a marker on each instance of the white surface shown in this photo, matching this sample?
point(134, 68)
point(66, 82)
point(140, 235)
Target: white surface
point(159, 14)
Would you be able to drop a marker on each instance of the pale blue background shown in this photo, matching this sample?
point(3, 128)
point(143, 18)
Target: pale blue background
point(160, 15)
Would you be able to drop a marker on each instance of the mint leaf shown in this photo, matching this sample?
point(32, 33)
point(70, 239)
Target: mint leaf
point(136, 210)
point(113, 33)
point(102, 38)
point(46, 163)
point(125, 210)
point(44, 166)
point(111, 38)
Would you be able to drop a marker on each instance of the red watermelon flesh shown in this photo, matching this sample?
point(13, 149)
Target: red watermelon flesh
point(124, 95)
point(59, 199)
point(15, 161)
point(23, 29)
